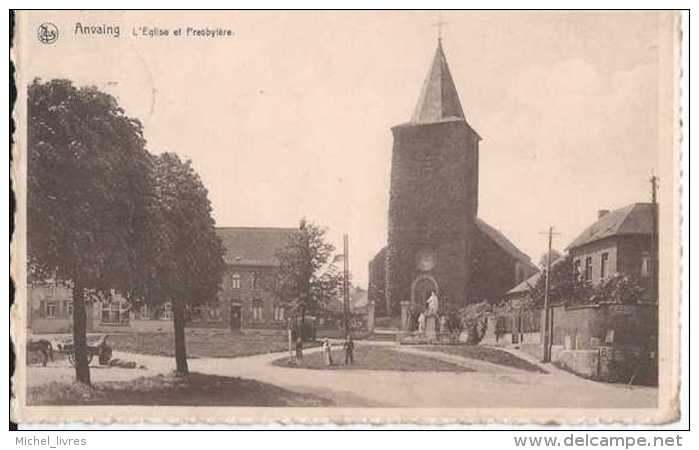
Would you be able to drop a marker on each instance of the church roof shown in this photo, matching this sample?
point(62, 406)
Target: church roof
point(438, 99)
point(505, 244)
point(636, 218)
point(253, 246)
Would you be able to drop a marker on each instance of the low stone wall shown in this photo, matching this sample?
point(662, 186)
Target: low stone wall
point(534, 350)
point(581, 362)
point(417, 338)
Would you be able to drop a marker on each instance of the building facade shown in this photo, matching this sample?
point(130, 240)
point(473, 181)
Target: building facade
point(619, 242)
point(250, 254)
point(243, 300)
point(436, 243)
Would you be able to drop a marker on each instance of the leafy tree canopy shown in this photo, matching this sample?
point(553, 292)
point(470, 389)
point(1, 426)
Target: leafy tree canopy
point(306, 278)
point(185, 254)
point(86, 185)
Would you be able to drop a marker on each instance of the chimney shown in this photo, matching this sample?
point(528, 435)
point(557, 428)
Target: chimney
point(601, 213)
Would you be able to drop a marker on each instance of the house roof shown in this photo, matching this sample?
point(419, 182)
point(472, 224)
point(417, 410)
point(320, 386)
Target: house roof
point(530, 282)
point(252, 246)
point(438, 99)
point(505, 244)
point(636, 218)
point(525, 285)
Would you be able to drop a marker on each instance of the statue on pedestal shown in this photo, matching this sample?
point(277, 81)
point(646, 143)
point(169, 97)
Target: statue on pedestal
point(432, 304)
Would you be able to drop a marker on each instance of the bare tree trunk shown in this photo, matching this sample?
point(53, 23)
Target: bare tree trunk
point(180, 346)
point(82, 369)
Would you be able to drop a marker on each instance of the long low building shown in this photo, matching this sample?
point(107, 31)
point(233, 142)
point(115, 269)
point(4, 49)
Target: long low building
point(243, 301)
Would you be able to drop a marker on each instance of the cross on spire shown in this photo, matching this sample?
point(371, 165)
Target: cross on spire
point(439, 24)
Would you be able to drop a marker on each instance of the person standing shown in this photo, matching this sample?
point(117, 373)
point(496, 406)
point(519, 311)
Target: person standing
point(290, 338)
point(327, 350)
point(421, 322)
point(299, 347)
point(349, 350)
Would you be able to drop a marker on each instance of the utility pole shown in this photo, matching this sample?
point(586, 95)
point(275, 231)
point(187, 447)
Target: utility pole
point(654, 238)
point(345, 282)
point(548, 322)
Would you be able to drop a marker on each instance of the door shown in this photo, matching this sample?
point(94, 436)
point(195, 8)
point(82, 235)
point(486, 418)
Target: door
point(422, 288)
point(235, 317)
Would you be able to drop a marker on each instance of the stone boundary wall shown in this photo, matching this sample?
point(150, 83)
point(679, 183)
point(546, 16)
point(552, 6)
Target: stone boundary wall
point(606, 341)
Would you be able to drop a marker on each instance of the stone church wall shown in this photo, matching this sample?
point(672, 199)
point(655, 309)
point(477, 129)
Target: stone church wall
point(432, 208)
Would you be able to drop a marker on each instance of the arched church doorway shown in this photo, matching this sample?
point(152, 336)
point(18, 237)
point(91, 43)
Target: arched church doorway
point(421, 289)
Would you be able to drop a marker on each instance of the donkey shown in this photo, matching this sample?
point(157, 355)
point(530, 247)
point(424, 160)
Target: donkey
point(44, 347)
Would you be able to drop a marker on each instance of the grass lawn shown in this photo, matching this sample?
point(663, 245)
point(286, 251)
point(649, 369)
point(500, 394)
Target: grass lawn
point(168, 390)
point(488, 354)
point(201, 343)
point(373, 357)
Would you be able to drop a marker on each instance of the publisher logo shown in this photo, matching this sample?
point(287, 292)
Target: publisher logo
point(47, 33)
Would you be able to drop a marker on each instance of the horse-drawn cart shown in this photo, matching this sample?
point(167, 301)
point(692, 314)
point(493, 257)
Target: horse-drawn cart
point(96, 346)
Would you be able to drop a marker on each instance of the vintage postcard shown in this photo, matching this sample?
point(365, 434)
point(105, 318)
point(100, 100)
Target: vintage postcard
point(387, 217)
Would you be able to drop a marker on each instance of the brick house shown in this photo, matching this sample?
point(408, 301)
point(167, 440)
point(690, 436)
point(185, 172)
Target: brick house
point(250, 258)
point(51, 311)
point(619, 242)
point(585, 336)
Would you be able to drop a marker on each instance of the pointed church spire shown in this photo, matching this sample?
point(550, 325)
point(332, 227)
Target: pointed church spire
point(438, 98)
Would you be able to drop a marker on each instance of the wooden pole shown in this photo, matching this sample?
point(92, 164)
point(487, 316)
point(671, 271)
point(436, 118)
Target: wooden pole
point(654, 239)
point(345, 282)
point(546, 351)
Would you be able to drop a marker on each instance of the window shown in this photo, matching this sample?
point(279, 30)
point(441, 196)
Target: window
point(68, 309)
point(257, 309)
point(645, 264)
point(588, 268)
point(196, 314)
point(235, 281)
point(255, 280)
point(278, 313)
point(51, 309)
point(603, 265)
point(578, 269)
point(114, 314)
point(145, 313)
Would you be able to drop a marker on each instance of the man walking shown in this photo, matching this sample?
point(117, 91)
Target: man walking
point(349, 350)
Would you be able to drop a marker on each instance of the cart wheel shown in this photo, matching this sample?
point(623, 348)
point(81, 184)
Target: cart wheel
point(71, 359)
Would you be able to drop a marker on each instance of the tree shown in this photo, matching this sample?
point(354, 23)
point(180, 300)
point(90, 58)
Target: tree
point(623, 289)
point(566, 285)
point(185, 254)
point(86, 184)
point(555, 256)
point(306, 278)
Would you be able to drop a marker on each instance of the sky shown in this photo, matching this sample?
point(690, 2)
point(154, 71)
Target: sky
point(291, 116)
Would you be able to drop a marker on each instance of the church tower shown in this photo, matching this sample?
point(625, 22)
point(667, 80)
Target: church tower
point(433, 199)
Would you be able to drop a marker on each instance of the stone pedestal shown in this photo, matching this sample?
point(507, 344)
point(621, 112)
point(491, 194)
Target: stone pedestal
point(404, 316)
point(370, 316)
point(431, 327)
